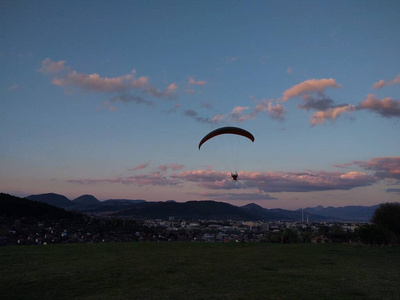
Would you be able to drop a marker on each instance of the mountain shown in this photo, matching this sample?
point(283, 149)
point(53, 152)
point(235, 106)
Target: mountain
point(346, 213)
point(126, 201)
point(52, 199)
point(15, 207)
point(205, 209)
point(278, 214)
point(86, 200)
point(210, 210)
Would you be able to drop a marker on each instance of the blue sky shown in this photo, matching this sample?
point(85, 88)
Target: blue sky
point(112, 99)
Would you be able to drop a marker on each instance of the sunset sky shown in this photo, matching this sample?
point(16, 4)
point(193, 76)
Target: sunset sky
point(111, 98)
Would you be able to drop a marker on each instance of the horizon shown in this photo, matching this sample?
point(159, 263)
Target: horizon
point(196, 200)
point(112, 100)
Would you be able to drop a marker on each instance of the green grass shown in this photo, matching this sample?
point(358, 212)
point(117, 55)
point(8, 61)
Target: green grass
point(199, 271)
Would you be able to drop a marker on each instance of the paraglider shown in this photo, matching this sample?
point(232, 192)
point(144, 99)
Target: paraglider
point(235, 176)
point(228, 130)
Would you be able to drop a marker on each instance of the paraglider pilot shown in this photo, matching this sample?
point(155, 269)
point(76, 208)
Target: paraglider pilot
point(235, 176)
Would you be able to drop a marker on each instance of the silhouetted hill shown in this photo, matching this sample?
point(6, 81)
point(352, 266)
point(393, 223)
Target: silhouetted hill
point(346, 213)
point(126, 201)
point(86, 200)
point(205, 209)
point(277, 214)
point(14, 207)
point(188, 210)
point(52, 199)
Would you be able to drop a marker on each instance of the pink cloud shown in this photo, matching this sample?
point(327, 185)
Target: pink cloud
point(381, 83)
point(236, 115)
point(64, 76)
point(306, 182)
point(140, 167)
point(330, 114)
point(386, 167)
point(192, 81)
point(171, 89)
point(201, 176)
point(173, 167)
point(236, 196)
point(153, 179)
point(386, 107)
point(278, 181)
point(275, 111)
point(51, 67)
point(309, 86)
point(94, 83)
point(109, 106)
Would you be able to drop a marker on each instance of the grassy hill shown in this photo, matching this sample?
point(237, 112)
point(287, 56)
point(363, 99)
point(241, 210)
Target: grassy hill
point(199, 271)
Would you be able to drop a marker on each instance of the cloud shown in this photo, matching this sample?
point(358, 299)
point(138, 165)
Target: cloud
point(132, 98)
point(276, 112)
point(140, 167)
point(325, 108)
point(309, 86)
point(330, 114)
point(386, 107)
point(173, 167)
point(64, 76)
point(174, 109)
point(201, 176)
point(193, 114)
point(237, 196)
point(386, 167)
point(109, 106)
point(240, 114)
point(52, 67)
point(306, 182)
point(206, 105)
point(153, 179)
point(275, 182)
point(397, 191)
point(192, 81)
point(321, 103)
point(236, 115)
point(381, 83)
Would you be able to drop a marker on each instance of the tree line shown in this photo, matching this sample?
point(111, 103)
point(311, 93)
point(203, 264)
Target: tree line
point(384, 228)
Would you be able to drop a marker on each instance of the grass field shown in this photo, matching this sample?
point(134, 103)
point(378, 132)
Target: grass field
point(199, 271)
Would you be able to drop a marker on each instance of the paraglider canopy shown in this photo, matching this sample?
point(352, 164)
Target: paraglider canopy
point(226, 130)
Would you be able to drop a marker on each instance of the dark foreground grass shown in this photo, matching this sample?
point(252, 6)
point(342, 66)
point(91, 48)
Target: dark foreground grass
point(199, 271)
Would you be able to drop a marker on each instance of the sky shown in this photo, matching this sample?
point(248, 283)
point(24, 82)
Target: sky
point(111, 98)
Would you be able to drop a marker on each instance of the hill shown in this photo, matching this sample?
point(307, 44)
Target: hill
point(52, 199)
point(14, 207)
point(346, 213)
point(188, 210)
point(206, 209)
point(277, 214)
point(86, 200)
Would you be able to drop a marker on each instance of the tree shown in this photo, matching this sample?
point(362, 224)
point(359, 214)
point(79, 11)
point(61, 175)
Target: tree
point(372, 234)
point(388, 216)
point(385, 227)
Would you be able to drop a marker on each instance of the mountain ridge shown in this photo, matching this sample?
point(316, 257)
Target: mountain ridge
point(140, 208)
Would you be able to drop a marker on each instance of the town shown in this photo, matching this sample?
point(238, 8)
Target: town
point(102, 229)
